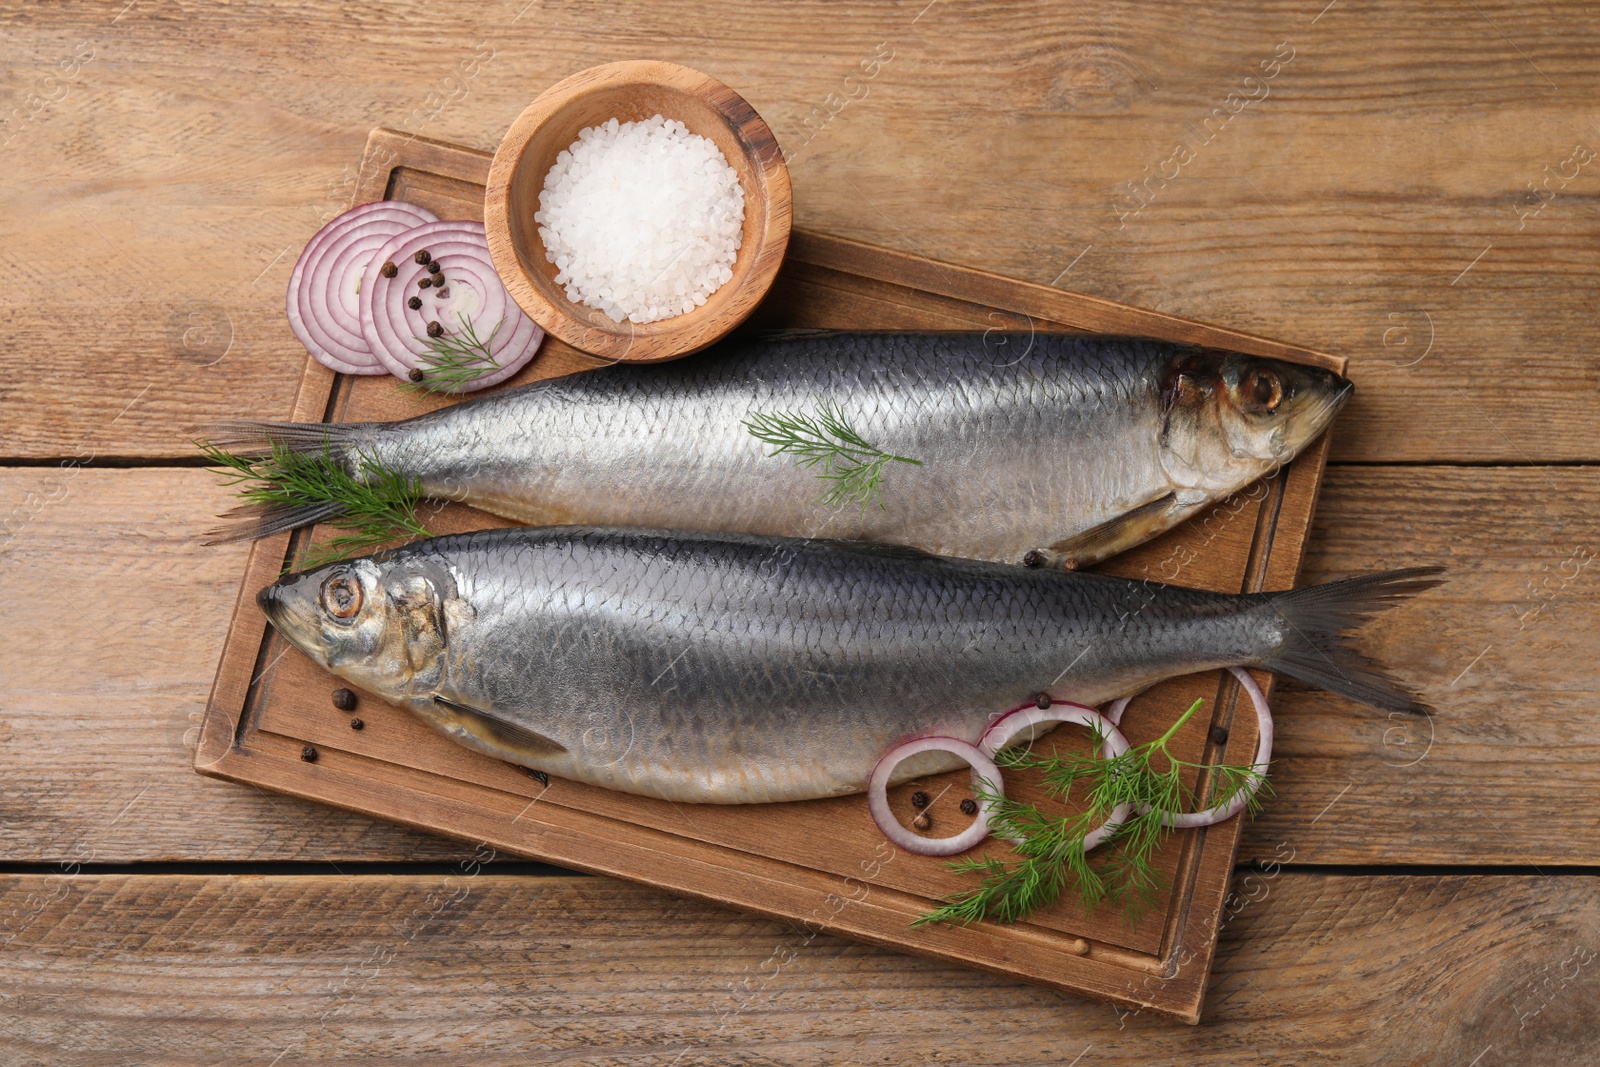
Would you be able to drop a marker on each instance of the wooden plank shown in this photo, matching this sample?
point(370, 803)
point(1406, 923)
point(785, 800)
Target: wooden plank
point(154, 230)
point(464, 964)
point(1505, 651)
point(116, 615)
point(87, 739)
point(269, 703)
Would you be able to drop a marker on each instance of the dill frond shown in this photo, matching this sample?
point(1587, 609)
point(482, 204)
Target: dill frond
point(849, 461)
point(375, 503)
point(1147, 777)
point(455, 359)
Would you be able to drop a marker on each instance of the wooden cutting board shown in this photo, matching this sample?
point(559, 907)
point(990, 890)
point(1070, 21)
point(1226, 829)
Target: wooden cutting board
point(820, 864)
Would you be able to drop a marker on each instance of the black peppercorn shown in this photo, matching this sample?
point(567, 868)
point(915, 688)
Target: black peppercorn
point(435, 330)
point(308, 754)
point(388, 270)
point(422, 256)
point(1032, 558)
point(433, 267)
point(344, 700)
point(424, 281)
point(919, 799)
point(1042, 701)
point(1219, 735)
point(969, 807)
point(438, 281)
point(415, 374)
point(922, 822)
point(415, 303)
point(357, 724)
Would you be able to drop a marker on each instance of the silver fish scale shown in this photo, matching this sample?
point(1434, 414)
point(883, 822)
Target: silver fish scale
point(1024, 440)
point(741, 669)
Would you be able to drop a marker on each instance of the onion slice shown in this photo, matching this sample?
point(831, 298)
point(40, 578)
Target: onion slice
point(983, 768)
point(323, 300)
point(1009, 726)
point(398, 335)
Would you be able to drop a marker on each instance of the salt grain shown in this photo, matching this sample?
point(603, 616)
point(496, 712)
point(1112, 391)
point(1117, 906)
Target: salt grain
point(643, 220)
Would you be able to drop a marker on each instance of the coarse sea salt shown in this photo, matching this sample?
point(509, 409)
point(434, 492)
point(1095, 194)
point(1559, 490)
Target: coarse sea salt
point(643, 220)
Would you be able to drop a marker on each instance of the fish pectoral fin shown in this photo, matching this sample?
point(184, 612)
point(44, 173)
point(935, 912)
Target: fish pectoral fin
point(500, 731)
point(1112, 536)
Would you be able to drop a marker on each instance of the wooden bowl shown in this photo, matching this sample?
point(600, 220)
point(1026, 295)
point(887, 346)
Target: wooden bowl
point(628, 92)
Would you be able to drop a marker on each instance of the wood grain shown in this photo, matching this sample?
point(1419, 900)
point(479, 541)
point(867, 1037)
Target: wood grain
point(115, 616)
point(1503, 651)
point(155, 220)
point(464, 964)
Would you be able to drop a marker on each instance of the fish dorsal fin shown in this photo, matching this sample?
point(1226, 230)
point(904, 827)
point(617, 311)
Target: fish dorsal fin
point(880, 549)
point(1112, 536)
point(497, 731)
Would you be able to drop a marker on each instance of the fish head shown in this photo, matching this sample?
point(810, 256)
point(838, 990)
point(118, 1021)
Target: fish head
point(377, 623)
point(1229, 418)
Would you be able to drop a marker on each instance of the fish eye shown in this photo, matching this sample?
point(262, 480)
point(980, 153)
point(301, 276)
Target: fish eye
point(1261, 390)
point(341, 596)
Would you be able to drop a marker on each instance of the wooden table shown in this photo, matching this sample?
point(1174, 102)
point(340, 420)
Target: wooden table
point(1402, 187)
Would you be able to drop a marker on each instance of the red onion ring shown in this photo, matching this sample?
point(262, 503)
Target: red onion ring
point(983, 768)
point(322, 300)
point(1212, 816)
point(1006, 728)
point(397, 335)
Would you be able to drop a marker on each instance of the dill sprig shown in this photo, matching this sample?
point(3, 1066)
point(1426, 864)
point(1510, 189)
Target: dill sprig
point(1051, 851)
point(1148, 778)
point(454, 359)
point(849, 461)
point(376, 503)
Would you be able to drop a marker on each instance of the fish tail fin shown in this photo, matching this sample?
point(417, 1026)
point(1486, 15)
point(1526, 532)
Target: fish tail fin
point(249, 522)
point(289, 469)
point(255, 437)
point(1314, 648)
